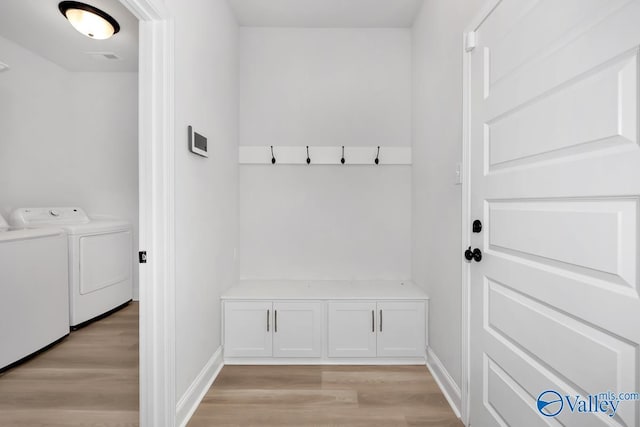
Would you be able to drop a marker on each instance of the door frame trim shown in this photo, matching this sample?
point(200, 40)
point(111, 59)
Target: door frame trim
point(473, 26)
point(157, 212)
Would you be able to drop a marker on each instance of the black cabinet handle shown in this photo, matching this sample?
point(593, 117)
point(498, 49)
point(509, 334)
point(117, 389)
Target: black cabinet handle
point(268, 320)
point(275, 321)
point(373, 321)
point(380, 320)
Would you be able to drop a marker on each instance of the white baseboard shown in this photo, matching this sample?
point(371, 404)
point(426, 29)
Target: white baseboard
point(195, 393)
point(324, 361)
point(449, 388)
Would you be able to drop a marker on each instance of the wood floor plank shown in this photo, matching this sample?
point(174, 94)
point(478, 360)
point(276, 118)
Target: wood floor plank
point(89, 379)
point(68, 418)
point(256, 377)
point(289, 396)
point(259, 416)
point(284, 397)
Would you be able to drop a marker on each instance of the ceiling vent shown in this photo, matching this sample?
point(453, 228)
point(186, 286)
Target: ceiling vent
point(104, 56)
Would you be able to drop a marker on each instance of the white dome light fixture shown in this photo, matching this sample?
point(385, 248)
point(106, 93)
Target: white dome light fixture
point(89, 20)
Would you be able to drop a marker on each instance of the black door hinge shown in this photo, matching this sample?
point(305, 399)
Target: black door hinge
point(142, 257)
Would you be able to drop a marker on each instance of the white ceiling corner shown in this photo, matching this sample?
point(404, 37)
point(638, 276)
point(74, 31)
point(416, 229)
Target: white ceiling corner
point(326, 13)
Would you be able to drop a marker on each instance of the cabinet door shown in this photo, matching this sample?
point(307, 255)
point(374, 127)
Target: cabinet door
point(297, 329)
point(401, 329)
point(247, 329)
point(352, 329)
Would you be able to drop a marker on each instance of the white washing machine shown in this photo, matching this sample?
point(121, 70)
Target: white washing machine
point(100, 259)
point(34, 289)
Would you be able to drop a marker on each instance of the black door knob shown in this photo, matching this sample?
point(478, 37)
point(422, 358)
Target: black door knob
point(468, 254)
point(475, 254)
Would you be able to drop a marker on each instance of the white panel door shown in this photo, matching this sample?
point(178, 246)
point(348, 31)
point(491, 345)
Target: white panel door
point(352, 329)
point(401, 329)
point(297, 329)
point(555, 179)
point(247, 329)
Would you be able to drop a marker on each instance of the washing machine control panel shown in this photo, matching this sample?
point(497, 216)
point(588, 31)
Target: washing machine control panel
point(35, 217)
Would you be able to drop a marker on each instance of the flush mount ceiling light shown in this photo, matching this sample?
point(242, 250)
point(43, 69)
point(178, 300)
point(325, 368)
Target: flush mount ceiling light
point(90, 21)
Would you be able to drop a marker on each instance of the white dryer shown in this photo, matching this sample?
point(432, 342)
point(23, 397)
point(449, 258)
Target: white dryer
point(100, 259)
point(34, 289)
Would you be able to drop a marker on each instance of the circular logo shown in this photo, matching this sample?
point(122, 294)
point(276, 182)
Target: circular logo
point(550, 403)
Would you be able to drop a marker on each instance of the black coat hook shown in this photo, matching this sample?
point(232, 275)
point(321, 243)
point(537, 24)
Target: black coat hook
point(308, 158)
point(273, 158)
point(377, 160)
point(342, 159)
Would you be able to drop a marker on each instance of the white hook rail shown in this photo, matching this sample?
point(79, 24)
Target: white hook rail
point(324, 155)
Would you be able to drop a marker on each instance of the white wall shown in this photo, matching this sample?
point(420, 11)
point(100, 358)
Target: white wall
point(68, 139)
point(437, 133)
point(333, 86)
point(205, 188)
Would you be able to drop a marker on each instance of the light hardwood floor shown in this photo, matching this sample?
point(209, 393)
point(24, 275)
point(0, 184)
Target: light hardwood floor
point(324, 395)
point(89, 379)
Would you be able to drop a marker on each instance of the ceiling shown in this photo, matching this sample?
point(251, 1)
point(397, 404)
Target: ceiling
point(326, 13)
point(38, 26)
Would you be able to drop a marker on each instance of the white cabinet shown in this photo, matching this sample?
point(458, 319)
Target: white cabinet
point(377, 329)
point(352, 329)
point(297, 329)
point(272, 329)
point(324, 322)
point(401, 329)
point(247, 329)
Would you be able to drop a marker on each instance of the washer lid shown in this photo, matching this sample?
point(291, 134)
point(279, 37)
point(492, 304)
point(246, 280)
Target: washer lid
point(27, 234)
point(47, 217)
point(97, 227)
